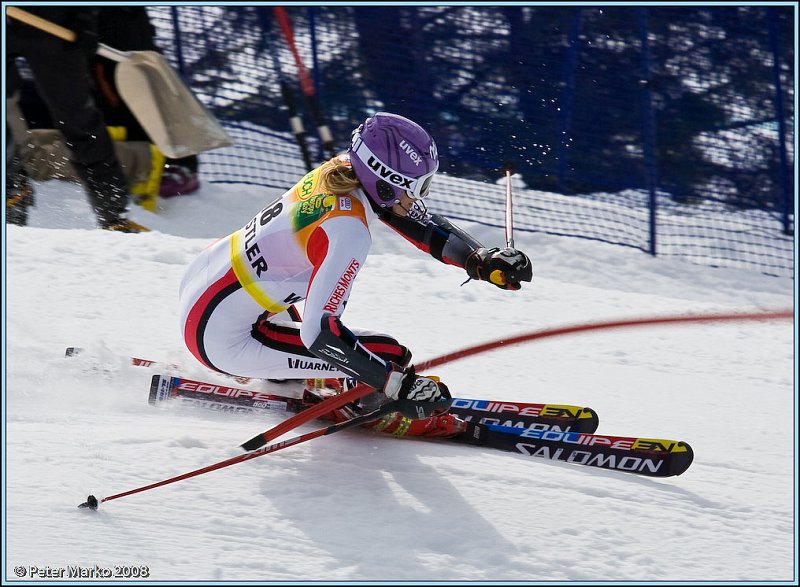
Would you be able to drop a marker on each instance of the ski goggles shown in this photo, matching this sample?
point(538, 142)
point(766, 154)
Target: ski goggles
point(416, 187)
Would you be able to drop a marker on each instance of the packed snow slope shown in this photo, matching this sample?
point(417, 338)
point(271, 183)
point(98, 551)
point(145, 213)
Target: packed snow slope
point(359, 506)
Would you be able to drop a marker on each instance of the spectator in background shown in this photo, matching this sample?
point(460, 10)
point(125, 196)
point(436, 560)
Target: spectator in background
point(149, 173)
point(128, 28)
point(60, 71)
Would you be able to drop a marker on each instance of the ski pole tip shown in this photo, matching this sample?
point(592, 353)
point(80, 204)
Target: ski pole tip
point(91, 503)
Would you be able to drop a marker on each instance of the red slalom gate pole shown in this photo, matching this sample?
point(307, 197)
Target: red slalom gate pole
point(306, 84)
point(361, 389)
point(549, 333)
point(552, 332)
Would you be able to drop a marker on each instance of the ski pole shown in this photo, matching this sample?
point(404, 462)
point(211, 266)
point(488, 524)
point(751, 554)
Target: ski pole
point(508, 170)
point(319, 409)
point(92, 502)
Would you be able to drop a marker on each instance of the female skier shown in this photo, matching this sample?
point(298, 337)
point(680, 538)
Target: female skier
point(237, 298)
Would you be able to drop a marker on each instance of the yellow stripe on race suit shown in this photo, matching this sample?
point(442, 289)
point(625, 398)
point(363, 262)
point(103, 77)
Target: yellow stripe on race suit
point(242, 270)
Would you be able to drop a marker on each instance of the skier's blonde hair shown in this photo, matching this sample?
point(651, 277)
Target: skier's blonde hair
point(338, 176)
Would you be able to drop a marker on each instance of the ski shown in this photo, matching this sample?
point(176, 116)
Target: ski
point(223, 398)
point(644, 456)
point(233, 399)
point(557, 432)
point(264, 395)
point(269, 394)
point(522, 415)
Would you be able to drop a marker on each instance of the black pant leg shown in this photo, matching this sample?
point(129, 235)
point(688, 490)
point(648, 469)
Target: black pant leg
point(62, 78)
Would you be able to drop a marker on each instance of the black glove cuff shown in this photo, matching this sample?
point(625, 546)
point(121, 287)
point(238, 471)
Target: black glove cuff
point(408, 381)
point(475, 263)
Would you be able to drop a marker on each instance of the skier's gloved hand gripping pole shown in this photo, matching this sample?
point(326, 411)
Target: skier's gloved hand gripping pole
point(508, 267)
point(505, 268)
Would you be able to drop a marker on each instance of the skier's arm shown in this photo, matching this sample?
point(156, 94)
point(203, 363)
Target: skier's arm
point(448, 243)
point(437, 236)
point(338, 250)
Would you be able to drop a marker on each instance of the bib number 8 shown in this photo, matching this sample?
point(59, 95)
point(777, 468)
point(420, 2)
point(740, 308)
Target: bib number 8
point(270, 212)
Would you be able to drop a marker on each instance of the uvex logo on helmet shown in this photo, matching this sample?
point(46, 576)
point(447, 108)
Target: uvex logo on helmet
point(412, 154)
point(389, 174)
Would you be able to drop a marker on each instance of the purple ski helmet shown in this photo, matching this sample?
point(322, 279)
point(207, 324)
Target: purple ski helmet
point(390, 155)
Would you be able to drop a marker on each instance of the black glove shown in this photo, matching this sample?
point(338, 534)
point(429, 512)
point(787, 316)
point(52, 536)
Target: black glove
point(503, 267)
point(406, 384)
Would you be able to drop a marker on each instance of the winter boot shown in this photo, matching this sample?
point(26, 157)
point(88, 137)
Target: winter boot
point(322, 383)
point(178, 180)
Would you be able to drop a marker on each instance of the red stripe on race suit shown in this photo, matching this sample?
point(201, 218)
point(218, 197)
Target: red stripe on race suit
point(198, 316)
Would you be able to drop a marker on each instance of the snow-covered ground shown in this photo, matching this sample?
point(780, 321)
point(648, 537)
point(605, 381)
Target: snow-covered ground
point(359, 506)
